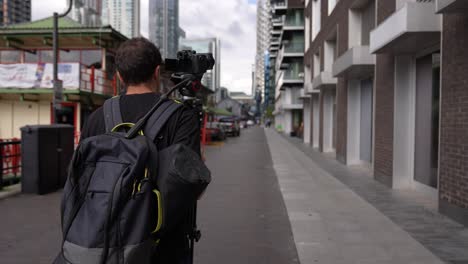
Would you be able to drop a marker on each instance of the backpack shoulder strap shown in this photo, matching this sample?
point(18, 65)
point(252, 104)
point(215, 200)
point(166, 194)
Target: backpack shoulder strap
point(112, 114)
point(160, 118)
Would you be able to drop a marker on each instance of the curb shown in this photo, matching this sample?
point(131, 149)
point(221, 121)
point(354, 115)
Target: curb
point(10, 191)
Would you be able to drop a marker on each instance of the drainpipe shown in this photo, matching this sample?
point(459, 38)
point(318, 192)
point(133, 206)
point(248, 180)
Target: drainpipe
point(58, 85)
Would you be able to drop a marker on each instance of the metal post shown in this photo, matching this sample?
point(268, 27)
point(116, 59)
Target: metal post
point(1, 166)
point(58, 88)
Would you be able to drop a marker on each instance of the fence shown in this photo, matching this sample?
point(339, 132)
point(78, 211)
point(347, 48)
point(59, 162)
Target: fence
point(10, 161)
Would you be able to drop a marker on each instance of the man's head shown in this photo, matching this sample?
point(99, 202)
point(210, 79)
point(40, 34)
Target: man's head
point(138, 61)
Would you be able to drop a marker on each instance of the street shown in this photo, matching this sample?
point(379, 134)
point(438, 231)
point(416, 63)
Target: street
point(242, 215)
point(274, 200)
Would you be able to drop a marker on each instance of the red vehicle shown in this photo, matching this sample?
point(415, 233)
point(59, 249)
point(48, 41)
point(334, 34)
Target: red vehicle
point(215, 131)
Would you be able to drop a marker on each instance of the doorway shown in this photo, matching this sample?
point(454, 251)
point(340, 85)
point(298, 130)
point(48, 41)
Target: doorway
point(426, 157)
point(365, 153)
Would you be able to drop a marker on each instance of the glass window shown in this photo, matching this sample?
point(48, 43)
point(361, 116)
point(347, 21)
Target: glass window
point(71, 56)
point(10, 56)
point(90, 57)
point(31, 57)
point(47, 56)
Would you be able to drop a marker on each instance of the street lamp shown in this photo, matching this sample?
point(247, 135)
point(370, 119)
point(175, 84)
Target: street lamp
point(58, 85)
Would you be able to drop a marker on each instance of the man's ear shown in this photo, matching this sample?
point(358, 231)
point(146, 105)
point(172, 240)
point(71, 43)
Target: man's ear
point(157, 73)
point(120, 77)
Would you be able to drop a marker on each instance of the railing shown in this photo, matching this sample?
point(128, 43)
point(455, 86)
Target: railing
point(293, 75)
point(279, 5)
point(294, 47)
point(294, 21)
point(10, 161)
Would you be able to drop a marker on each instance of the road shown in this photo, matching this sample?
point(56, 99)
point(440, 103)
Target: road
point(242, 215)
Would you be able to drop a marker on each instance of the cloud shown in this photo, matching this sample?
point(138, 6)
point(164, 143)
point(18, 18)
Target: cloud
point(235, 28)
point(232, 21)
point(40, 9)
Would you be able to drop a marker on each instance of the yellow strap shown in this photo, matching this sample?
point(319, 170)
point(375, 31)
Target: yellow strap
point(129, 125)
point(159, 224)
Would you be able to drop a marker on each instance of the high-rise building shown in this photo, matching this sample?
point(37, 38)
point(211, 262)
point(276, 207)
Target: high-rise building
point(287, 62)
point(263, 42)
point(14, 11)
point(122, 15)
point(211, 79)
point(87, 12)
point(164, 26)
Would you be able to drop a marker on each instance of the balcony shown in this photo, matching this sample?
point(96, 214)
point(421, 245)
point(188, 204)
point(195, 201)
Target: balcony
point(290, 50)
point(324, 80)
point(451, 6)
point(355, 63)
point(275, 33)
point(277, 23)
point(293, 77)
point(293, 24)
point(280, 8)
point(412, 28)
point(303, 94)
point(309, 89)
point(292, 106)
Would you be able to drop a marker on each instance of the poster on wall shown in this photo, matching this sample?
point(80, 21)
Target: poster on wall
point(27, 76)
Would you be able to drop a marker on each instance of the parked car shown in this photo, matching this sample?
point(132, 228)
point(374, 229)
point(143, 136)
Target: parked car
point(215, 131)
point(231, 126)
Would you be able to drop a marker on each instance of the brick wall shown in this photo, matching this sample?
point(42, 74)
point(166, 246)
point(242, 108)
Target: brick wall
point(341, 119)
point(340, 14)
point(329, 23)
point(384, 105)
point(321, 121)
point(295, 4)
point(453, 171)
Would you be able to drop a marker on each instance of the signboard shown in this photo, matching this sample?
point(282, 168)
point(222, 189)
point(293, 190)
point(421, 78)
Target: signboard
point(27, 76)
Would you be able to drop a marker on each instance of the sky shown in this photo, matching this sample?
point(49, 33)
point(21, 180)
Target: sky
point(232, 21)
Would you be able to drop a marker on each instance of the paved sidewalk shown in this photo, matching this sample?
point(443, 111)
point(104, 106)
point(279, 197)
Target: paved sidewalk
point(414, 211)
point(332, 224)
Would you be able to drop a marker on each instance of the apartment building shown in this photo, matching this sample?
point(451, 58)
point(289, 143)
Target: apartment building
point(14, 11)
point(87, 12)
point(287, 59)
point(386, 84)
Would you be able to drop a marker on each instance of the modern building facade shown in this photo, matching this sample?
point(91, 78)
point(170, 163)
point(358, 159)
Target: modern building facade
point(164, 26)
point(14, 11)
point(387, 89)
point(287, 60)
point(123, 15)
point(87, 12)
point(263, 43)
point(211, 79)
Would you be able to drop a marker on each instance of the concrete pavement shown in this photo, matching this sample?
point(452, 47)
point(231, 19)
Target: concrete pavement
point(271, 203)
point(332, 224)
point(242, 216)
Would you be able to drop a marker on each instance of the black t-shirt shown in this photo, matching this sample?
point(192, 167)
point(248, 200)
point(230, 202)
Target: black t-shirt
point(183, 127)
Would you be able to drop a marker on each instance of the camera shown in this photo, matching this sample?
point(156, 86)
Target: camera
point(189, 62)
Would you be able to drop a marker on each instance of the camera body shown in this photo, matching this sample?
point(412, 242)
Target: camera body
point(189, 65)
point(190, 62)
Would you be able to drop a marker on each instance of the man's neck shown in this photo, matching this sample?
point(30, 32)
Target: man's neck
point(139, 89)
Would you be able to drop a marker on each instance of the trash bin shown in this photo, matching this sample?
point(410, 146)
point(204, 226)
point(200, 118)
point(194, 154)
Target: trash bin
point(46, 151)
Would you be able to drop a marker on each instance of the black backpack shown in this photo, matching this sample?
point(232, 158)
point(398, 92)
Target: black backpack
point(112, 209)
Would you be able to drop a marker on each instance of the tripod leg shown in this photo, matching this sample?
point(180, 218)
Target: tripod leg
point(195, 233)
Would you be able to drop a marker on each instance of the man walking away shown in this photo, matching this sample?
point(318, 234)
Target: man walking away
point(138, 67)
